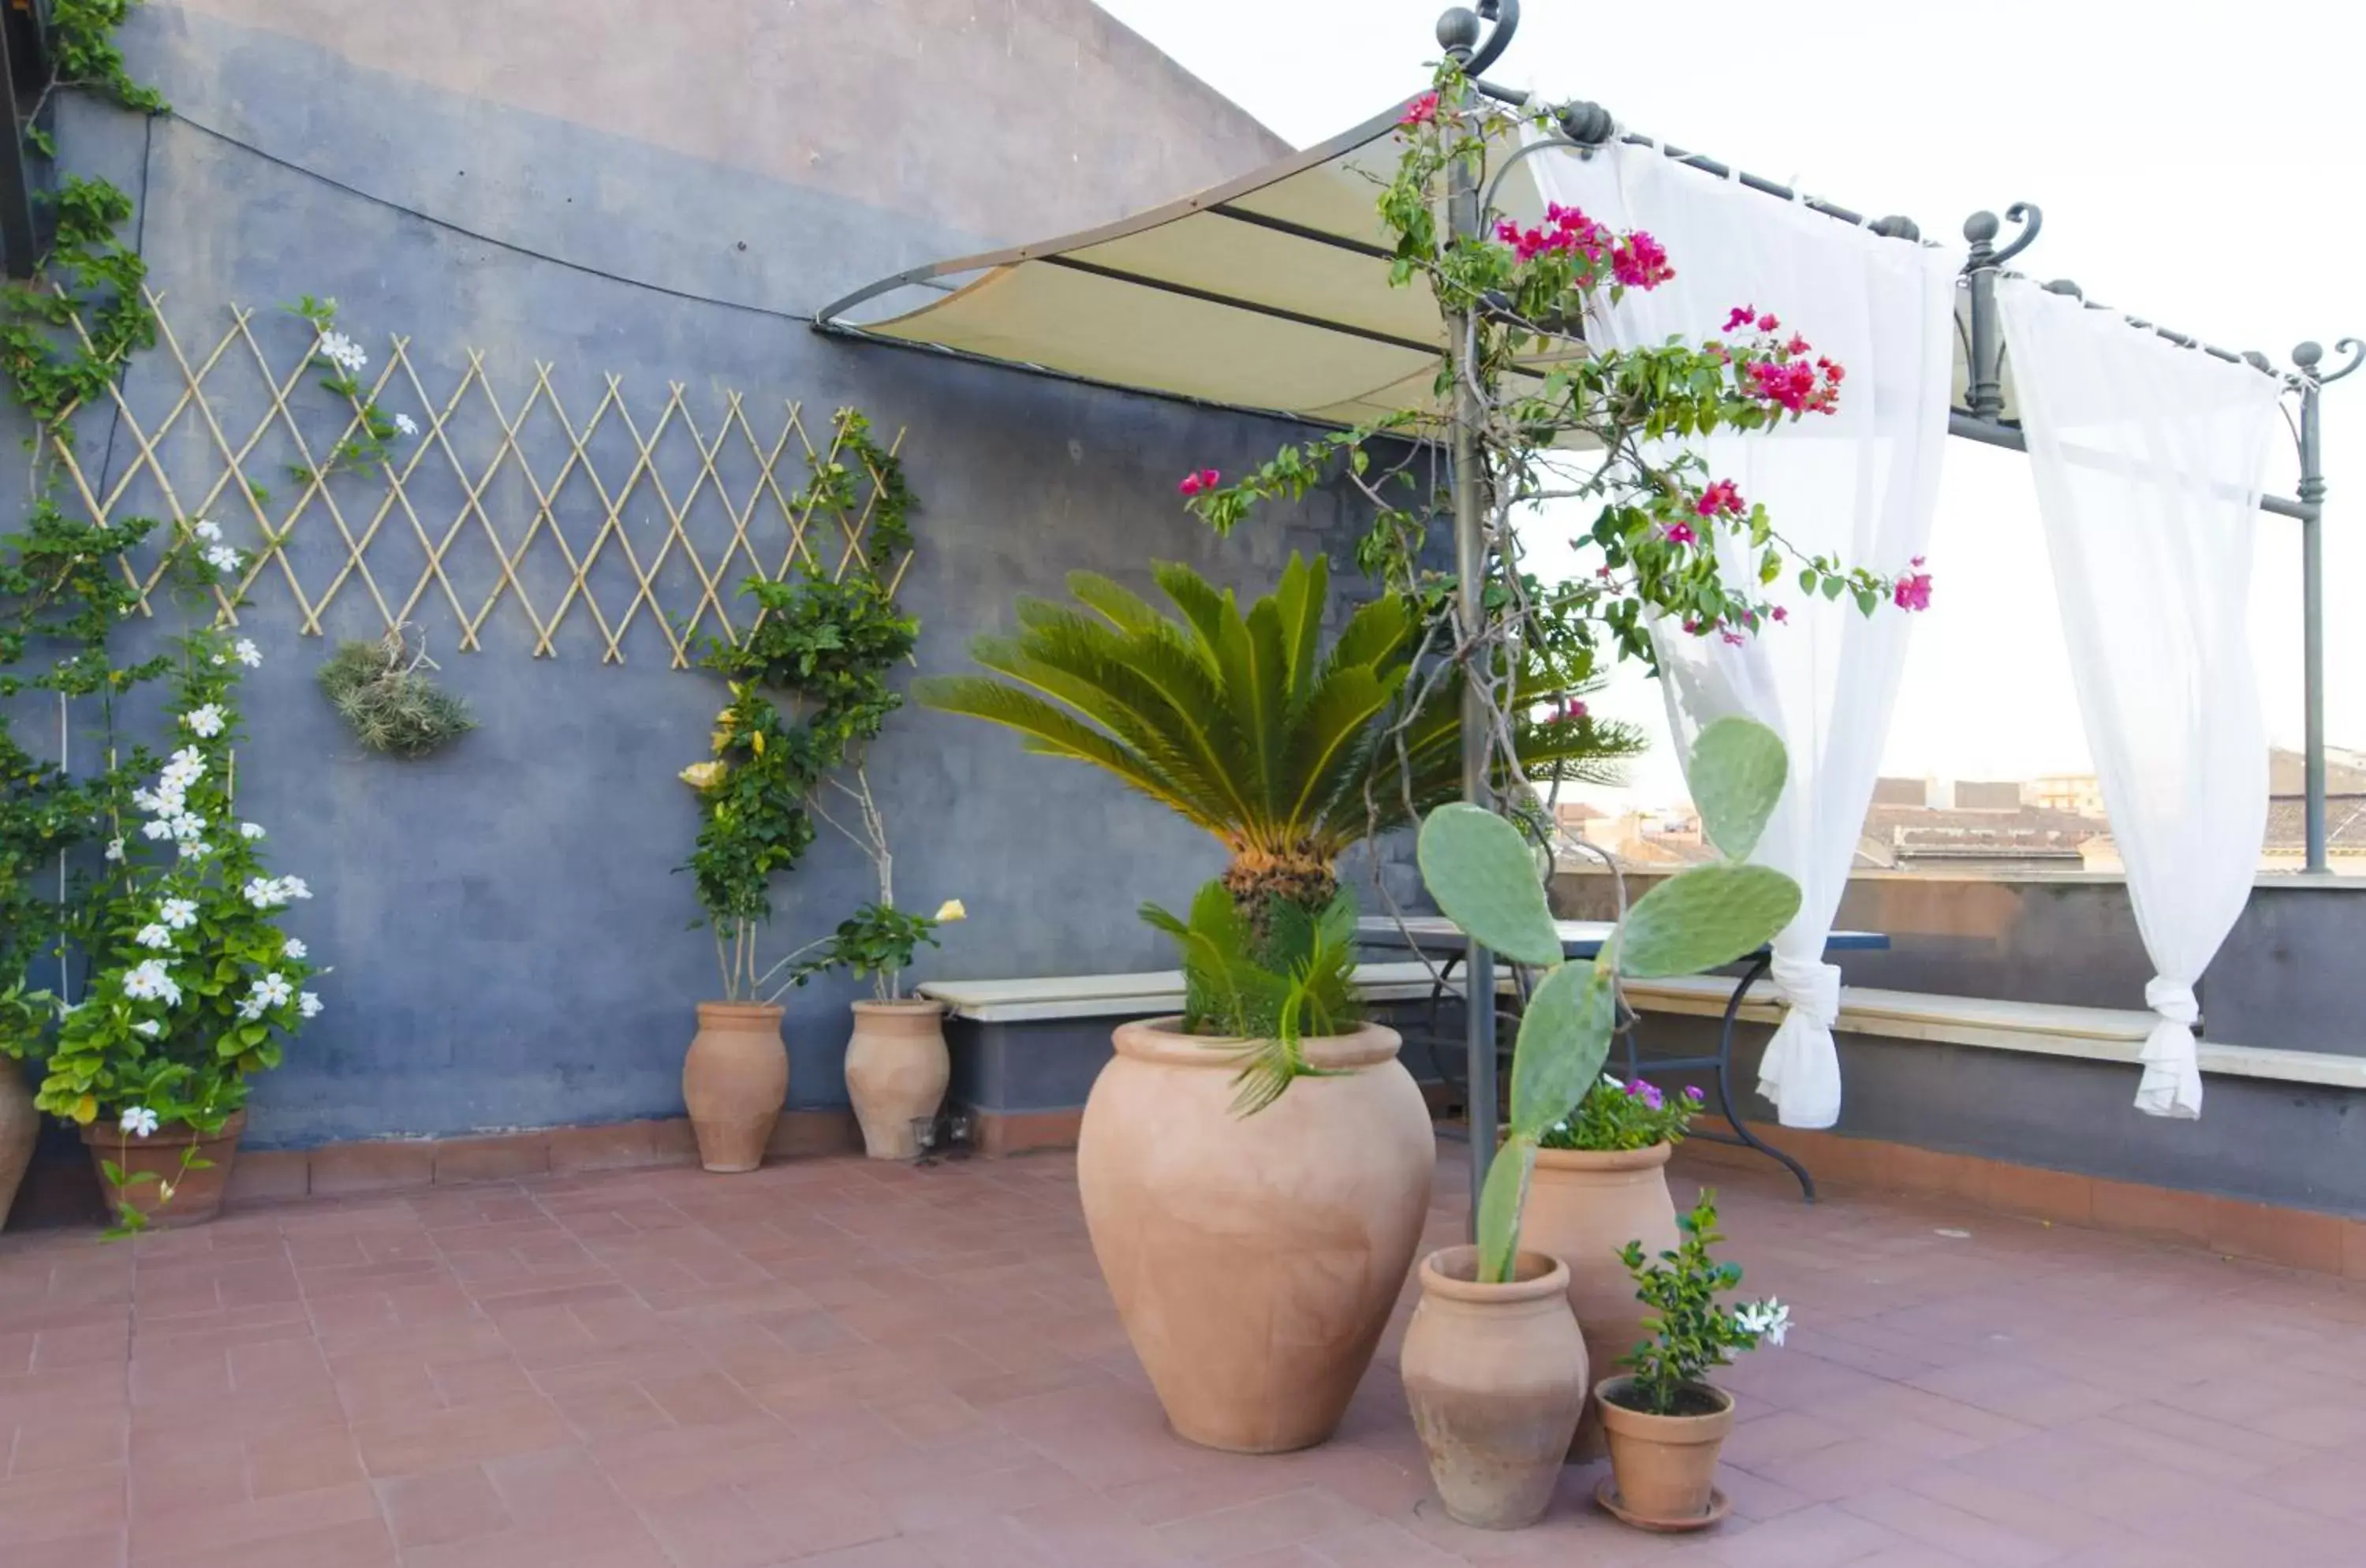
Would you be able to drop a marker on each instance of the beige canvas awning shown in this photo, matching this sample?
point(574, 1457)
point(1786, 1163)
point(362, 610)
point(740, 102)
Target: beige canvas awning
point(1271, 293)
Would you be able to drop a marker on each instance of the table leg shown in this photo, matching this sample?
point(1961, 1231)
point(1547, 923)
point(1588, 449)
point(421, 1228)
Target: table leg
point(1758, 968)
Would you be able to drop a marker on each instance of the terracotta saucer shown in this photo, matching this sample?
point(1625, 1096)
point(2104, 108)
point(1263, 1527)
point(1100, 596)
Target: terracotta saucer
point(1607, 1494)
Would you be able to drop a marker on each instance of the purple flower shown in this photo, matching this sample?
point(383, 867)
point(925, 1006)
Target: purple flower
point(1647, 1093)
point(1693, 1093)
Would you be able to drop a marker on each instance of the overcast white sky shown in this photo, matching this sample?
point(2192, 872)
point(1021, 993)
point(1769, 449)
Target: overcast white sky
point(2198, 163)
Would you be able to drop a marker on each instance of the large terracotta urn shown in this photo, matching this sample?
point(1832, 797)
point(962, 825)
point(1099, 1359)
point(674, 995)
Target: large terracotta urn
point(196, 1192)
point(1585, 1206)
point(1495, 1375)
point(1254, 1260)
point(897, 1070)
point(20, 1129)
point(735, 1080)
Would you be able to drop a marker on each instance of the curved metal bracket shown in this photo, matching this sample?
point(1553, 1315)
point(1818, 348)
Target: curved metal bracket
point(2357, 352)
point(1505, 14)
point(2026, 214)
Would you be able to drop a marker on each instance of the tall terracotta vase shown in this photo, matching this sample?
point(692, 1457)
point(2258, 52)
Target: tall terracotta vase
point(1254, 1260)
point(20, 1129)
point(735, 1080)
point(896, 1069)
point(197, 1194)
point(1495, 1375)
point(1583, 1207)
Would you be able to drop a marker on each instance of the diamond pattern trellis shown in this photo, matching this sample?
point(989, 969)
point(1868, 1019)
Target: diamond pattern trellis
point(580, 525)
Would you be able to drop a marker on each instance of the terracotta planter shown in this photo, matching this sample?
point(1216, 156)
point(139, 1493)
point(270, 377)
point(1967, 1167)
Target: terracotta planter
point(735, 1080)
point(1583, 1206)
point(197, 1197)
point(1254, 1260)
point(1496, 1376)
point(896, 1069)
point(20, 1129)
point(1665, 1466)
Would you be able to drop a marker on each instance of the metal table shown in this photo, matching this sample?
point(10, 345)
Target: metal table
point(1584, 939)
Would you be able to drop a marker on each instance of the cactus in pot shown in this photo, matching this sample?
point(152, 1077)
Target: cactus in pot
point(1494, 1365)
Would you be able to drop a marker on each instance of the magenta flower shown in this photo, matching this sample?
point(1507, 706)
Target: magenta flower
point(1767, 323)
point(1797, 345)
point(1719, 498)
point(1693, 1093)
point(1681, 534)
point(1914, 590)
point(1195, 483)
point(1423, 111)
point(1781, 613)
point(1647, 1093)
point(1740, 316)
point(1640, 261)
point(1734, 639)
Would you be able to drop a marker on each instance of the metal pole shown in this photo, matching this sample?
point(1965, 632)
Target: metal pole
point(1456, 31)
point(2312, 591)
point(1983, 378)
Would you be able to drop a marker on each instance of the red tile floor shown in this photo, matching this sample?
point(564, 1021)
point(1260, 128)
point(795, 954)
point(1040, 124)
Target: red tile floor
point(833, 1364)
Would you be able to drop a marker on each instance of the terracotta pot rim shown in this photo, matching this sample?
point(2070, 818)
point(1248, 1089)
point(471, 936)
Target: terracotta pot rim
point(1161, 1040)
point(745, 1010)
point(901, 1007)
point(103, 1132)
point(1694, 1428)
point(1537, 1276)
point(1605, 1160)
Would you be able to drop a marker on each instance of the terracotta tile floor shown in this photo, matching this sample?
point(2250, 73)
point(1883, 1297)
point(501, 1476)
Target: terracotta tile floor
point(832, 1363)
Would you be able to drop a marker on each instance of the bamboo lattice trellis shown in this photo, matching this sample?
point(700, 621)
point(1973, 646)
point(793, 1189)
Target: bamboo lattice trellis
point(566, 537)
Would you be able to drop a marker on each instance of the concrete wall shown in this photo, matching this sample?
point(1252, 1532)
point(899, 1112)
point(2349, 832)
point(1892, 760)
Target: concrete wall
point(659, 191)
point(2288, 976)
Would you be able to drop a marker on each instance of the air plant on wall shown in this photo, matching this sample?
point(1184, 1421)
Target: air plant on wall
point(382, 691)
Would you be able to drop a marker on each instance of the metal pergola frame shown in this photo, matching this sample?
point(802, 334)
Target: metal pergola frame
point(1476, 36)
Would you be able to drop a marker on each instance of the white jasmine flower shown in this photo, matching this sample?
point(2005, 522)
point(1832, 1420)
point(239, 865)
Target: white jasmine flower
point(262, 892)
point(250, 830)
point(220, 660)
point(951, 910)
point(187, 828)
point(295, 949)
point(179, 913)
point(206, 721)
point(196, 848)
point(294, 887)
point(149, 1027)
point(207, 529)
point(221, 557)
point(343, 352)
point(405, 424)
point(156, 828)
point(149, 981)
point(187, 764)
point(247, 653)
point(274, 989)
point(145, 800)
point(249, 1010)
point(115, 849)
point(309, 1004)
point(138, 1120)
point(1769, 1320)
point(153, 935)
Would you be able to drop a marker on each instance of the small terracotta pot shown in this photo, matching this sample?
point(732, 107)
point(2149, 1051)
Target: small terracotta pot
point(20, 1129)
point(1665, 1465)
point(896, 1069)
point(196, 1195)
point(1583, 1206)
point(1254, 1260)
point(735, 1080)
point(1496, 1376)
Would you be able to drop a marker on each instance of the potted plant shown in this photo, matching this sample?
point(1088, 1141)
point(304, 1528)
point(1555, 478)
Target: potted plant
point(24, 1017)
point(1494, 1365)
point(1253, 1257)
point(194, 987)
point(1602, 1180)
point(1664, 1420)
point(896, 1064)
point(809, 693)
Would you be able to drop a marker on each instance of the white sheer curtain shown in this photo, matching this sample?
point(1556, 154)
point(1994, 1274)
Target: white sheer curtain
point(1859, 485)
point(2149, 459)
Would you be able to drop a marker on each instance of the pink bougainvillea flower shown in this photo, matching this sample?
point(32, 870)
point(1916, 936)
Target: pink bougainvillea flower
point(1568, 711)
point(1781, 613)
point(1719, 498)
point(1914, 590)
point(1767, 323)
point(1423, 111)
point(1733, 639)
point(1797, 345)
point(1640, 261)
point(1832, 371)
point(1204, 479)
point(1692, 627)
point(1681, 534)
point(1742, 316)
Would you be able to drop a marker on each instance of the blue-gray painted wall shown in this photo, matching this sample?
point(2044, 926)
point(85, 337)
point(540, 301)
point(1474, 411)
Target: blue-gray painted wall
point(508, 932)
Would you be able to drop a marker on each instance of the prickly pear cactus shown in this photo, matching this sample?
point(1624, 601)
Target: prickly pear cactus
point(1483, 873)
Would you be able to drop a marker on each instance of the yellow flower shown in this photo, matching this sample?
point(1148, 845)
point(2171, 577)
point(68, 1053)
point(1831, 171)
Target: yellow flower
point(756, 739)
point(704, 775)
point(951, 909)
point(721, 739)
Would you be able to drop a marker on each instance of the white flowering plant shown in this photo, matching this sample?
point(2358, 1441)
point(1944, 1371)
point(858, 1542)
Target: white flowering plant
point(1691, 1332)
point(193, 983)
point(342, 359)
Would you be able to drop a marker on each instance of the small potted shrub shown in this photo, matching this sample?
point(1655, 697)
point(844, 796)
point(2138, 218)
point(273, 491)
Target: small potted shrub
point(1494, 1365)
point(24, 1016)
point(896, 1064)
point(1601, 1182)
point(1664, 1420)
